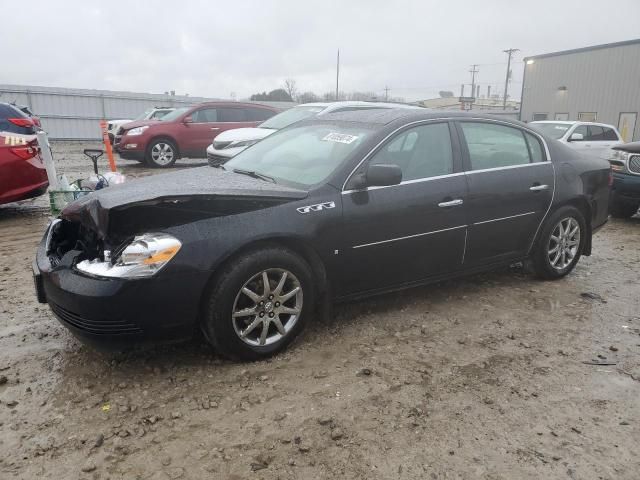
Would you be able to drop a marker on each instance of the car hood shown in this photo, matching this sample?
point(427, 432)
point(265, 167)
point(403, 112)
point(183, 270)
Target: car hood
point(203, 183)
point(140, 123)
point(631, 147)
point(244, 134)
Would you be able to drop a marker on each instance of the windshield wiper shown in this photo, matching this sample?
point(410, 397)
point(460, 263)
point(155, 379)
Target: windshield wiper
point(253, 174)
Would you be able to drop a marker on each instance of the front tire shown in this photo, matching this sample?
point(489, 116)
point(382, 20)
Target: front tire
point(161, 153)
point(259, 304)
point(560, 244)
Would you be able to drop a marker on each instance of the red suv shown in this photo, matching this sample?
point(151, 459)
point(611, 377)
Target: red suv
point(22, 173)
point(187, 131)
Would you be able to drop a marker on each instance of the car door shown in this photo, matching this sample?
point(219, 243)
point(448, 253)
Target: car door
point(583, 144)
point(511, 184)
point(197, 134)
point(405, 233)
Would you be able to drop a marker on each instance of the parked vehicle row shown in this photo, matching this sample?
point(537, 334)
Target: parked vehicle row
point(113, 126)
point(228, 144)
point(22, 172)
point(333, 207)
point(589, 138)
point(186, 131)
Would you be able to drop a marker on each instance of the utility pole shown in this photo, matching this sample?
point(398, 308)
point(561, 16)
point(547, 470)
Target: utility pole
point(473, 72)
point(509, 53)
point(386, 93)
point(337, 75)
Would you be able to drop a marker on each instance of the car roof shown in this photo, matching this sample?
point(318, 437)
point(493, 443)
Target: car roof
point(386, 116)
point(575, 122)
point(329, 106)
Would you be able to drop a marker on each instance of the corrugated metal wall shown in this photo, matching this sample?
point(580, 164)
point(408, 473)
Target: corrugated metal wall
point(604, 81)
point(75, 114)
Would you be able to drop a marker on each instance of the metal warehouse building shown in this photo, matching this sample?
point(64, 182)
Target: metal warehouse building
point(599, 83)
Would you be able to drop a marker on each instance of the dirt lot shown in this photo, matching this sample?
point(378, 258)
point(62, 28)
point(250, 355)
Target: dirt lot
point(483, 377)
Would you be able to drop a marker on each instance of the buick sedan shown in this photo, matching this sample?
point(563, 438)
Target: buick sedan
point(331, 208)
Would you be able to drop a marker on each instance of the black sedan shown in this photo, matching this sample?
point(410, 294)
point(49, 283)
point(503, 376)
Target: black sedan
point(332, 208)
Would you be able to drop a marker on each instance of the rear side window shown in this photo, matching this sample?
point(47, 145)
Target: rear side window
point(258, 114)
point(9, 111)
point(232, 115)
point(420, 152)
point(610, 134)
point(494, 146)
point(596, 133)
point(535, 148)
point(206, 115)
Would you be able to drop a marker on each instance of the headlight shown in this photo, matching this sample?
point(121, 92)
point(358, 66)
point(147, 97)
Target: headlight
point(245, 143)
point(137, 130)
point(143, 257)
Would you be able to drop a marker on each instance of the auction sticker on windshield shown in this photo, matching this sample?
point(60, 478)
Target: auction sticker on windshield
point(340, 138)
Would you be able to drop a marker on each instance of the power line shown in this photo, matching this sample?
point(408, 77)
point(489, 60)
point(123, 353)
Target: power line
point(386, 92)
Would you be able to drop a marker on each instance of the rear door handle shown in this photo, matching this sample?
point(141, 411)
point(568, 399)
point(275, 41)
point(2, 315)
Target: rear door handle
point(537, 188)
point(451, 203)
point(215, 128)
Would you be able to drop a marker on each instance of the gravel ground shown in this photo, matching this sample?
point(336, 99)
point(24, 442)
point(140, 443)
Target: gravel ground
point(495, 376)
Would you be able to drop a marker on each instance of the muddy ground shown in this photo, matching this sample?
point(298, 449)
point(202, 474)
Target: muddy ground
point(483, 377)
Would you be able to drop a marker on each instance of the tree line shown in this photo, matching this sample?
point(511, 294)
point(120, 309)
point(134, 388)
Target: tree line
point(289, 93)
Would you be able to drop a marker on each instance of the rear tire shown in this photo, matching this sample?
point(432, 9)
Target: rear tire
point(560, 243)
point(161, 153)
point(622, 209)
point(245, 321)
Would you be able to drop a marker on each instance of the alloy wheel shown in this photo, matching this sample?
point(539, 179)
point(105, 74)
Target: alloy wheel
point(564, 243)
point(162, 153)
point(267, 307)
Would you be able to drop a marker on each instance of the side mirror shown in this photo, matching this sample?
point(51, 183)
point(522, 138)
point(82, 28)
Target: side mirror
point(188, 119)
point(576, 137)
point(378, 176)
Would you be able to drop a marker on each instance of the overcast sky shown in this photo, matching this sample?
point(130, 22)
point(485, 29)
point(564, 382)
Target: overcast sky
point(214, 48)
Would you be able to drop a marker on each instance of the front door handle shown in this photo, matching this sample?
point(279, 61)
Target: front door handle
point(451, 203)
point(215, 128)
point(538, 188)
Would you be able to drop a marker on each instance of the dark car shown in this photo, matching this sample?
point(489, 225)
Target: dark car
point(22, 172)
point(332, 208)
point(625, 190)
point(187, 131)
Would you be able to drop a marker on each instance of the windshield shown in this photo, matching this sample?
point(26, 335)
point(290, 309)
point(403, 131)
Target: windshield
point(553, 130)
point(290, 116)
point(302, 156)
point(143, 115)
point(175, 114)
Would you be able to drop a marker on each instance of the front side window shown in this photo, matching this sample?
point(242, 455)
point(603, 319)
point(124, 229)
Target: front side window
point(420, 152)
point(494, 146)
point(582, 130)
point(205, 115)
point(301, 156)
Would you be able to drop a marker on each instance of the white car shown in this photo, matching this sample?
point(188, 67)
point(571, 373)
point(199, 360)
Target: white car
point(149, 114)
point(230, 143)
point(590, 138)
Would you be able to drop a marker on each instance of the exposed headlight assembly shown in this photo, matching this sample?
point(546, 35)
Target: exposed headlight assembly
point(137, 131)
point(143, 257)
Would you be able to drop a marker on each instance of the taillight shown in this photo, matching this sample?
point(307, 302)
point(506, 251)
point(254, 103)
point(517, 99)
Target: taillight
point(25, 152)
point(22, 122)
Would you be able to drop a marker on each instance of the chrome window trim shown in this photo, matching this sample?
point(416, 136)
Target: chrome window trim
point(510, 167)
point(448, 119)
point(407, 237)
point(505, 218)
point(406, 182)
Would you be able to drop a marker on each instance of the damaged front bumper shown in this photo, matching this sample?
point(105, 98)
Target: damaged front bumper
point(115, 313)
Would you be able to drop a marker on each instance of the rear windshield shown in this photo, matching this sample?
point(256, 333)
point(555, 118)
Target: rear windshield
point(553, 130)
point(9, 111)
